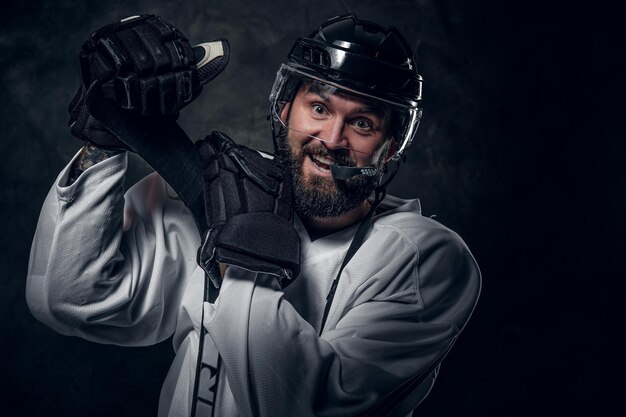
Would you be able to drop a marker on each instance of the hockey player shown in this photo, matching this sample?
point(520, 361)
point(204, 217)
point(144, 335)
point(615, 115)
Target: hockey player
point(333, 300)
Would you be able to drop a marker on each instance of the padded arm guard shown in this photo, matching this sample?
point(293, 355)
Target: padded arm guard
point(249, 210)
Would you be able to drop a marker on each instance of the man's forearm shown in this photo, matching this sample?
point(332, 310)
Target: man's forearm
point(90, 155)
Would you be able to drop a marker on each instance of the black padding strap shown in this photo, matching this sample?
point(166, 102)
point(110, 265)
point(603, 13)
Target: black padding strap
point(359, 238)
point(164, 145)
point(357, 241)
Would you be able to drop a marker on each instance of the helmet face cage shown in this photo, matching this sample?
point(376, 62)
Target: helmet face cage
point(403, 118)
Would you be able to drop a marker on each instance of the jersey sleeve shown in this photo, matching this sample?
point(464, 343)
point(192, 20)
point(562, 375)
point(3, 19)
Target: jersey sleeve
point(107, 267)
point(394, 323)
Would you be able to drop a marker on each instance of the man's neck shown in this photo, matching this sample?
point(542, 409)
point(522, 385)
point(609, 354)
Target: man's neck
point(318, 227)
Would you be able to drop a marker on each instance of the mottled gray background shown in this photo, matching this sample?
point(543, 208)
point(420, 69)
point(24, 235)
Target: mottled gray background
point(521, 151)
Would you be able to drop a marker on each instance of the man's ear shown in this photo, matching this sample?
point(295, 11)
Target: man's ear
point(284, 114)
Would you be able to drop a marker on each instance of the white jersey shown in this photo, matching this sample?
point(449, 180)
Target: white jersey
point(115, 268)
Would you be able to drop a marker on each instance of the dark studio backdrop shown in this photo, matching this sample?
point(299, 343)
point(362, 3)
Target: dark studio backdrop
point(520, 151)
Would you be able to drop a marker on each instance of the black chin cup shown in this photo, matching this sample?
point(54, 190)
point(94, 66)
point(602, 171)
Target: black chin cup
point(343, 173)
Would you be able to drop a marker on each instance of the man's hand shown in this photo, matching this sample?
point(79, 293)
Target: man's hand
point(248, 204)
point(145, 66)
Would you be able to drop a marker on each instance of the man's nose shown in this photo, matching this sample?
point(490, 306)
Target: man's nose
point(334, 135)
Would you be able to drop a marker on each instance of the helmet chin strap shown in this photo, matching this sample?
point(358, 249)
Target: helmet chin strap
point(379, 195)
point(343, 173)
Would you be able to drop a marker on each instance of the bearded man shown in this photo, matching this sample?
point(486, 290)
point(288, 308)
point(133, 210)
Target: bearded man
point(334, 299)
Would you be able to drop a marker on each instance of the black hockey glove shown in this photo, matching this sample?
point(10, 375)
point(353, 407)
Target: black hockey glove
point(86, 127)
point(249, 211)
point(144, 65)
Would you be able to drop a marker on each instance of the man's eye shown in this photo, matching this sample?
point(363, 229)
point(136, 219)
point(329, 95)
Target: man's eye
point(319, 109)
point(362, 124)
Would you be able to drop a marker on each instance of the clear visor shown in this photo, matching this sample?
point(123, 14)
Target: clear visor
point(338, 116)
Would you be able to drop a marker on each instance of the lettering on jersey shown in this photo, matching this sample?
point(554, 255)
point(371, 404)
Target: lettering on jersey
point(209, 375)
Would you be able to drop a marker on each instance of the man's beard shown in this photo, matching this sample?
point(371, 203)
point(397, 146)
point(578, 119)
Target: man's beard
point(323, 197)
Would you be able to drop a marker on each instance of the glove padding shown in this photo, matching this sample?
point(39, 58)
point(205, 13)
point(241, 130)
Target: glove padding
point(86, 127)
point(144, 65)
point(249, 210)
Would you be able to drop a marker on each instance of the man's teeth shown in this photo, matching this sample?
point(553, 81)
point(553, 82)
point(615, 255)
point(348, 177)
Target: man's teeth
point(322, 160)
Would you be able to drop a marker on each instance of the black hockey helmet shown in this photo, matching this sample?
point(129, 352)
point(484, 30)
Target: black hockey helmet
point(360, 58)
